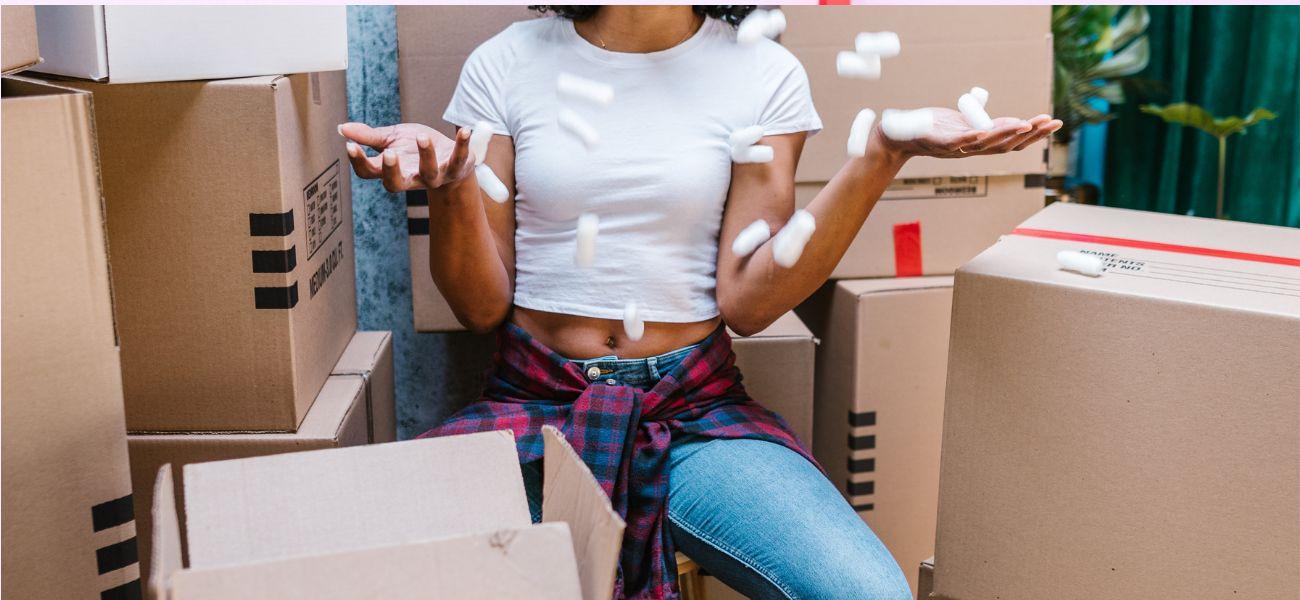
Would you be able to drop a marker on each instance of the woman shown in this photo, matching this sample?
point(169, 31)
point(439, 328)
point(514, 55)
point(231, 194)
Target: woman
point(690, 461)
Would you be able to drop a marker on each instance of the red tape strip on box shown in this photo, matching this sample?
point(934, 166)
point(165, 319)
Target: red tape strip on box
point(907, 249)
point(1145, 245)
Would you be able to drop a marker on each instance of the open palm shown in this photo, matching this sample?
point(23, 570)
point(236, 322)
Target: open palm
point(411, 156)
point(953, 137)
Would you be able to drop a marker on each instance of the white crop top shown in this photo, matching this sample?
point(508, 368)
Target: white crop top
point(659, 176)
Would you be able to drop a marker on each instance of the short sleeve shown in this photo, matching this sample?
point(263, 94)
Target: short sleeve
point(789, 103)
point(480, 93)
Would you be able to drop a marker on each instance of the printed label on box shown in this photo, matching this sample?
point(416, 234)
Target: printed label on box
point(1233, 279)
point(918, 188)
point(323, 201)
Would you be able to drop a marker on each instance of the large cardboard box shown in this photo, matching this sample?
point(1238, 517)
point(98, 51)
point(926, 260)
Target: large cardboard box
point(945, 51)
point(1133, 435)
point(230, 221)
point(138, 44)
point(441, 517)
point(881, 368)
point(354, 408)
point(68, 526)
point(432, 45)
point(932, 225)
point(18, 49)
point(777, 364)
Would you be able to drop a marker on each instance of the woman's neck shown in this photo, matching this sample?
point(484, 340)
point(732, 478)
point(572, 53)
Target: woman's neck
point(639, 29)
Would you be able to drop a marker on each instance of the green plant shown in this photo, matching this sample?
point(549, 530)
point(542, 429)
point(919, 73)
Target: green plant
point(1096, 57)
point(1191, 115)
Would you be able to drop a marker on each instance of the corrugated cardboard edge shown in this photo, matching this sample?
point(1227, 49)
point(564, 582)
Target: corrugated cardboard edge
point(571, 494)
point(380, 352)
point(166, 540)
point(925, 579)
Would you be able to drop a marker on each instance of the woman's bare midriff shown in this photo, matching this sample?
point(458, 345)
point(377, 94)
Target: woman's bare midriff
point(586, 337)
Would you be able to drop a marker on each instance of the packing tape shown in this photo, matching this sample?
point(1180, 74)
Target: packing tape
point(907, 249)
point(1159, 246)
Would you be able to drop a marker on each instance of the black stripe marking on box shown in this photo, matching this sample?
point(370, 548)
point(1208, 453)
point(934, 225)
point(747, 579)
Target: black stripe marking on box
point(862, 488)
point(862, 465)
point(417, 198)
point(275, 261)
point(116, 556)
point(862, 419)
point(112, 513)
point(1035, 180)
point(864, 507)
point(862, 442)
point(270, 224)
point(127, 591)
point(276, 297)
point(416, 226)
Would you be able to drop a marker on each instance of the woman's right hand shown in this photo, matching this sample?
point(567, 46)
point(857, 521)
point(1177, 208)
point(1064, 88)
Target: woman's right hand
point(411, 156)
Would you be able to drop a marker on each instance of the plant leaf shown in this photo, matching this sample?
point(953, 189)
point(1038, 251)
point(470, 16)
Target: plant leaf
point(1131, 25)
point(1184, 113)
point(1128, 61)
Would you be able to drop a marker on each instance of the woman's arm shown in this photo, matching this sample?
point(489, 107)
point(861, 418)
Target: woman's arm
point(471, 238)
point(754, 291)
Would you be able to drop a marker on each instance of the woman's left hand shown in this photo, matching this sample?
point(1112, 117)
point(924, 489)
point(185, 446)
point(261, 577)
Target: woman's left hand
point(953, 137)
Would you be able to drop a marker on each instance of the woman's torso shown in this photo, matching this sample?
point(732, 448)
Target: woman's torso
point(657, 181)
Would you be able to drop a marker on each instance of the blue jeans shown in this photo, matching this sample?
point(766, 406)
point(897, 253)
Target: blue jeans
point(754, 514)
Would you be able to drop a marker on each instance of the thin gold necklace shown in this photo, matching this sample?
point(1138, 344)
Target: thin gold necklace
point(689, 31)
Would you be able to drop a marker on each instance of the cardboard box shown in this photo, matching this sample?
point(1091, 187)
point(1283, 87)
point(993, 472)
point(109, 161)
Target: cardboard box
point(881, 368)
point(931, 226)
point(18, 50)
point(138, 44)
point(354, 408)
point(925, 579)
point(68, 527)
point(232, 246)
point(778, 367)
point(432, 45)
point(1133, 435)
point(945, 51)
point(442, 517)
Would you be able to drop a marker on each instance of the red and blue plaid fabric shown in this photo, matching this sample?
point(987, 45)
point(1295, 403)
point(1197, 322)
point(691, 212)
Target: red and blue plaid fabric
point(622, 433)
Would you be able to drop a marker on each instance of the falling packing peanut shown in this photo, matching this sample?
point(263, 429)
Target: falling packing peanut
point(904, 125)
point(584, 254)
point(759, 24)
point(491, 184)
point(860, 132)
point(851, 65)
point(752, 154)
point(788, 244)
point(1079, 262)
point(633, 326)
point(974, 112)
point(750, 238)
point(883, 43)
point(478, 141)
point(573, 123)
point(745, 136)
point(574, 87)
point(980, 94)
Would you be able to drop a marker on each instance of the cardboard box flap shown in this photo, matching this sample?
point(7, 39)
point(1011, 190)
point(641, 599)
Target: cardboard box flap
point(271, 507)
point(533, 561)
point(1184, 259)
point(858, 287)
point(166, 539)
point(570, 494)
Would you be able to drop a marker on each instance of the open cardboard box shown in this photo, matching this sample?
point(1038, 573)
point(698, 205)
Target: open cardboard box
point(442, 517)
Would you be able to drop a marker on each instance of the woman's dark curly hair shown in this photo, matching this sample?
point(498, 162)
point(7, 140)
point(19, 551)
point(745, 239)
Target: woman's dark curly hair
point(729, 14)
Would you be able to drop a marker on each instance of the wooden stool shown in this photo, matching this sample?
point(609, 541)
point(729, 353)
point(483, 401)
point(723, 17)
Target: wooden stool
point(690, 577)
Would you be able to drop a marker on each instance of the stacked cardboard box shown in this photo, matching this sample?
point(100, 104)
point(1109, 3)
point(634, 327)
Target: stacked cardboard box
point(355, 407)
point(882, 361)
point(442, 517)
point(19, 49)
point(1132, 435)
point(68, 525)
